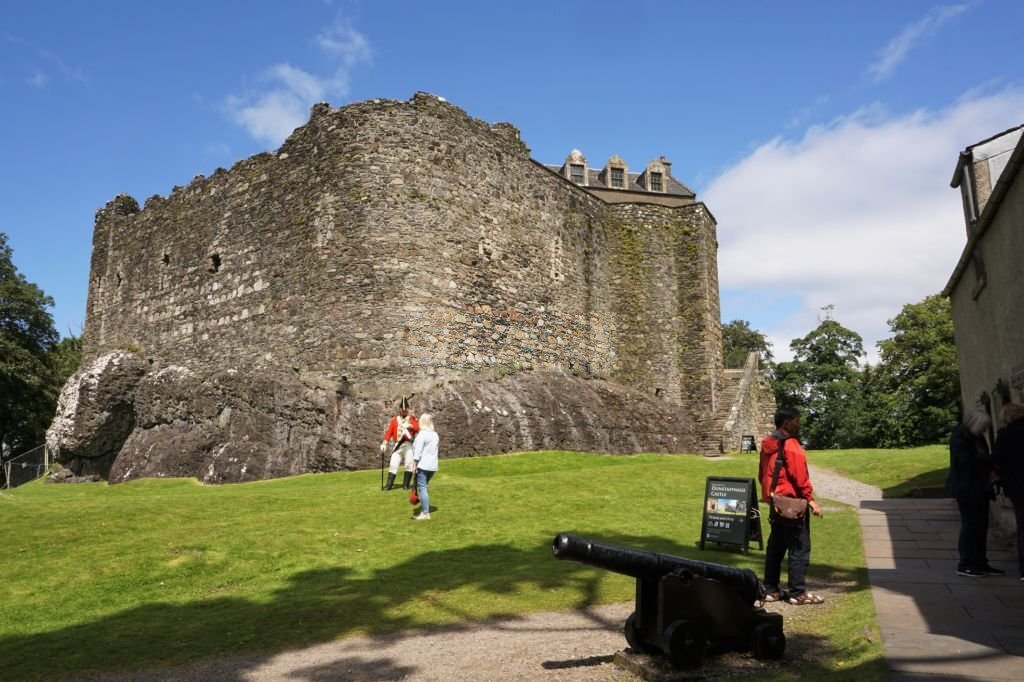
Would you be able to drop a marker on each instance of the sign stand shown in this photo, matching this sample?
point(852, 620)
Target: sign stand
point(731, 515)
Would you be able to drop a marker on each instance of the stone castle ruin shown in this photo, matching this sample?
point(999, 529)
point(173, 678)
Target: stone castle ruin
point(262, 322)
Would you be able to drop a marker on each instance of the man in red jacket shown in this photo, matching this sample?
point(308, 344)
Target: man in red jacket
point(402, 429)
point(794, 481)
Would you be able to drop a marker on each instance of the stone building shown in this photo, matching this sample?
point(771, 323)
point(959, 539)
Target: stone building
point(259, 322)
point(985, 288)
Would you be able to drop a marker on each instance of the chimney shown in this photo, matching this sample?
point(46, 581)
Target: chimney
point(668, 164)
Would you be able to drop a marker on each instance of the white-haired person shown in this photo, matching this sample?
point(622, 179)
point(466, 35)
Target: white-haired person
point(424, 455)
point(970, 482)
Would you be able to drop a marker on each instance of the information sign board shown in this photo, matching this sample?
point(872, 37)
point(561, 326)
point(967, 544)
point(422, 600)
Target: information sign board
point(731, 515)
point(747, 444)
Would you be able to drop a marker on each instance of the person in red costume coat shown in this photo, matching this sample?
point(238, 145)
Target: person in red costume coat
point(401, 431)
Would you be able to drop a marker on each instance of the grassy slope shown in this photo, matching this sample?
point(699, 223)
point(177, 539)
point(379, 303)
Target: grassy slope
point(896, 472)
point(161, 572)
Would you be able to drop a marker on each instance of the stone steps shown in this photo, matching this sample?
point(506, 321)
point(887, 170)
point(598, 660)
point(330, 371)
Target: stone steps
point(711, 438)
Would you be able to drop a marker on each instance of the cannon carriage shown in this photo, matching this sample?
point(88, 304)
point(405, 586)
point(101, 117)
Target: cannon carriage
point(685, 608)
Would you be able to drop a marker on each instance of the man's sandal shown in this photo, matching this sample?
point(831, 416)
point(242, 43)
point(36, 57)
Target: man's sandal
point(805, 598)
point(773, 596)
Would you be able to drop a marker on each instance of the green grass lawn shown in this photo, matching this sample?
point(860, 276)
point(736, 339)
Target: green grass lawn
point(896, 472)
point(162, 572)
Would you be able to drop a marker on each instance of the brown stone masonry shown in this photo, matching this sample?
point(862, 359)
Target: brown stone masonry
point(390, 247)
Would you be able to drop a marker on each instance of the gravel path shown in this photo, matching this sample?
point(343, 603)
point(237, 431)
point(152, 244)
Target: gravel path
point(573, 645)
point(564, 645)
point(832, 486)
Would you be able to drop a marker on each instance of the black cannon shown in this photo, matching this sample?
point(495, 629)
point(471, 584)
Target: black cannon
point(684, 607)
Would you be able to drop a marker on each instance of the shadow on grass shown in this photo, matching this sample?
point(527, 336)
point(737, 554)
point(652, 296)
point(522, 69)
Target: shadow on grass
point(320, 606)
point(928, 484)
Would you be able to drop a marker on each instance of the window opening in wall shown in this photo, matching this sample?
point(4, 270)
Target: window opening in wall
point(655, 182)
point(576, 173)
point(166, 260)
point(215, 262)
point(617, 178)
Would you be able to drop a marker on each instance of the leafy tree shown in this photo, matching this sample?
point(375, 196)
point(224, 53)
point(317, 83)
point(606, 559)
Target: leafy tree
point(27, 338)
point(65, 357)
point(915, 396)
point(824, 381)
point(738, 340)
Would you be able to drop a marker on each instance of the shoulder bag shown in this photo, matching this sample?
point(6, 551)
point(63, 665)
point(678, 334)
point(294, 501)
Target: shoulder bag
point(789, 511)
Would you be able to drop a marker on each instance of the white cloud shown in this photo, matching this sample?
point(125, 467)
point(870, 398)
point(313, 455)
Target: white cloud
point(858, 213)
point(345, 43)
point(893, 54)
point(272, 113)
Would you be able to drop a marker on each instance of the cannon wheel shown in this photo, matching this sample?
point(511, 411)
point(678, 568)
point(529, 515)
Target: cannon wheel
point(684, 645)
point(768, 641)
point(635, 636)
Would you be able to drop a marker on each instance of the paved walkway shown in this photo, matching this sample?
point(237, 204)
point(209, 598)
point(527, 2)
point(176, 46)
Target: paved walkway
point(936, 624)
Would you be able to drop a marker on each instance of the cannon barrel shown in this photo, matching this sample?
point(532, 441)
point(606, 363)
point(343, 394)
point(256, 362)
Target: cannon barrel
point(643, 564)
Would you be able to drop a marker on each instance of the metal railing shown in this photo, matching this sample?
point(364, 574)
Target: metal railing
point(26, 467)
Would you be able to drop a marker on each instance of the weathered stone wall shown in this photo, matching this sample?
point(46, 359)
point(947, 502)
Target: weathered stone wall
point(663, 299)
point(405, 243)
point(389, 247)
point(989, 342)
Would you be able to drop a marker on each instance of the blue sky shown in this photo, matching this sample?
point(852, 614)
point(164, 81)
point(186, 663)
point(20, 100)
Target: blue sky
point(822, 135)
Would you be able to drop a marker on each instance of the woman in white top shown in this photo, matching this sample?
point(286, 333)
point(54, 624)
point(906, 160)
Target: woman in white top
point(424, 455)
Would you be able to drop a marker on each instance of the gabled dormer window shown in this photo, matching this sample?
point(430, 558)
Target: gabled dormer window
point(614, 174)
point(655, 176)
point(575, 168)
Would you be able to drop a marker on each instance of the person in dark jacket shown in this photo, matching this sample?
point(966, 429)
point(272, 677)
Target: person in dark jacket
point(1009, 462)
point(970, 482)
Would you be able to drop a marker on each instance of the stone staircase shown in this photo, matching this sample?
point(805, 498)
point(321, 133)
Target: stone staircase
point(746, 406)
point(711, 441)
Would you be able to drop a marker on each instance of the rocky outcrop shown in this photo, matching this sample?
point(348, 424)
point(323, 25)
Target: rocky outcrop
point(95, 414)
point(249, 424)
point(231, 426)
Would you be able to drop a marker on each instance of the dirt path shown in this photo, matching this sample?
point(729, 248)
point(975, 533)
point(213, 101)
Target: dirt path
point(573, 645)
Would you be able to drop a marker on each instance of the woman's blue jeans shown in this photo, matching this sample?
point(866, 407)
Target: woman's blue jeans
point(422, 480)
